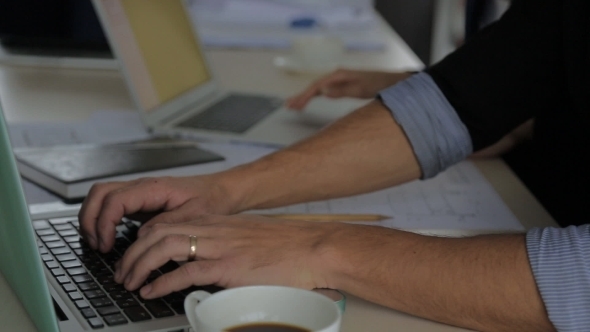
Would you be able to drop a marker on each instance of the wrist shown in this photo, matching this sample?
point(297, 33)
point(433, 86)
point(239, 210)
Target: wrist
point(336, 257)
point(236, 188)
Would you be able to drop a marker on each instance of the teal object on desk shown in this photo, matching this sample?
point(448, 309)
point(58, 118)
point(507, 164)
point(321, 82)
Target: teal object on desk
point(25, 276)
point(335, 295)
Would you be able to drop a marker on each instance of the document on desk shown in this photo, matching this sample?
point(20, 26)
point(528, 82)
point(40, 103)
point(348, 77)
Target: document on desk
point(458, 199)
point(273, 24)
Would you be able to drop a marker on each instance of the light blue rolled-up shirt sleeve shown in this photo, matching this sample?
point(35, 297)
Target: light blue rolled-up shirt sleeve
point(560, 260)
point(438, 137)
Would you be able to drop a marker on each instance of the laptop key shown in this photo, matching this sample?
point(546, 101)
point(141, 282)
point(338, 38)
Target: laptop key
point(103, 280)
point(94, 294)
point(72, 239)
point(43, 250)
point(116, 319)
point(75, 296)
point(69, 287)
point(55, 244)
point(69, 232)
point(88, 313)
point(71, 264)
point(44, 232)
point(137, 314)
point(108, 311)
point(75, 245)
point(51, 264)
point(66, 257)
point(57, 272)
point(120, 295)
point(95, 323)
point(60, 251)
point(87, 286)
point(173, 297)
point(158, 308)
point(50, 238)
point(101, 302)
point(41, 224)
point(127, 303)
point(76, 271)
point(114, 287)
point(63, 227)
point(63, 280)
point(82, 304)
point(82, 278)
point(46, 258)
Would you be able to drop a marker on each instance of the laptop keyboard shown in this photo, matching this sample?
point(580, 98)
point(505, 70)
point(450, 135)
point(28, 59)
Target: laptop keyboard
point(87, 275)
point(236, 113)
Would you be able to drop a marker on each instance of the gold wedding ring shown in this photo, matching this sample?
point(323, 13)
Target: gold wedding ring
point(192, 254)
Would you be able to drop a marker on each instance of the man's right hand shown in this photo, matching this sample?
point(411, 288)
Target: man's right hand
point(171, 199)
point(347, 83)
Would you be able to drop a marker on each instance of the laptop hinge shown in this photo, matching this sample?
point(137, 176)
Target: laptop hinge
point(207, 99)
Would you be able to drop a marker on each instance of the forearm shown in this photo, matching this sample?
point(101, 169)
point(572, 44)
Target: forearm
point(483, 283)
point(364, 151)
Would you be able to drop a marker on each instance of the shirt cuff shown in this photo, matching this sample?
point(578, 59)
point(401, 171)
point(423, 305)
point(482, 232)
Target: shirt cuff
point(437, 135)
point(559, 259)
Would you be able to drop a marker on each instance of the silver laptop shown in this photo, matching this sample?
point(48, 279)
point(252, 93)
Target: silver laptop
point(175, 90)
point(63, 285)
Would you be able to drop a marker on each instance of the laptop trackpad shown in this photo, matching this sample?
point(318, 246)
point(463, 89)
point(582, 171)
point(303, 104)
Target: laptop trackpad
point(322, 111)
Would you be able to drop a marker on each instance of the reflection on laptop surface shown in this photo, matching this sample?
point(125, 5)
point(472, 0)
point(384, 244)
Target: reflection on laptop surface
point(61, 282)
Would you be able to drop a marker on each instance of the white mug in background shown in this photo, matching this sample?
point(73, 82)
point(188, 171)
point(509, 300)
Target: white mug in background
point(318, 52)
point(248, 306)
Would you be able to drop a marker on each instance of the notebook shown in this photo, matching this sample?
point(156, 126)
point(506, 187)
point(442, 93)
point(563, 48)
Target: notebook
point(63, 284)
point(71, 170)
point(175, 90)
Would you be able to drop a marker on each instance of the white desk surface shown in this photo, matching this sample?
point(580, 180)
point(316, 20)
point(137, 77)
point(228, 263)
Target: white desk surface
point(58, 94)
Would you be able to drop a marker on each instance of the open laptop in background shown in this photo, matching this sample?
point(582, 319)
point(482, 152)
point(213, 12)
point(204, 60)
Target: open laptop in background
point(63, 285)
point(173, 86)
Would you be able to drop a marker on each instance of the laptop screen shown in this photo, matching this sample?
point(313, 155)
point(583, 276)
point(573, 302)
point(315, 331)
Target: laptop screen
point(159, 47)
point(20, 263)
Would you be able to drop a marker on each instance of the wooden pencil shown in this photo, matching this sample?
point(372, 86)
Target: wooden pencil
point(330, 217)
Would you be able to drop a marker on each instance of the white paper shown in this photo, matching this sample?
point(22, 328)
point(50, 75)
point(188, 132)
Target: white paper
point(458, 199)
point(101, 128)
point(268, 23)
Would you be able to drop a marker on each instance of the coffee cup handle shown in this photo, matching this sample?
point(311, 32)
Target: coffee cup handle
point(190, 303)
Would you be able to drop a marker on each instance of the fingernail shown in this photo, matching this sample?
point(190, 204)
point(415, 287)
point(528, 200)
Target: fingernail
point(146, 290)
point(127, 281)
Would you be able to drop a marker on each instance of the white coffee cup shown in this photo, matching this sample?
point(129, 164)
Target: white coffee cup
point(318, 51)
point(261, 304)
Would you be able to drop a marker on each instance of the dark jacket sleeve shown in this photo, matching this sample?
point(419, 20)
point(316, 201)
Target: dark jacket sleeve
point(508, 73)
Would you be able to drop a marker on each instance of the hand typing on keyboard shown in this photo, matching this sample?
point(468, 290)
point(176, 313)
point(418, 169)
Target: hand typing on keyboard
point(173, 199)
point(234, 251)
point(87, 276)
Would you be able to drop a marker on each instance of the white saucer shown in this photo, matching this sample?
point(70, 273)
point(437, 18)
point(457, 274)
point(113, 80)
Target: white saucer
point(294, 65)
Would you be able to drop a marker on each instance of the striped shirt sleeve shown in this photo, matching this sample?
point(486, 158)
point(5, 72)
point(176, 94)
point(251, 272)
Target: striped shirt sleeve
point(437, 135)
point(560, 260)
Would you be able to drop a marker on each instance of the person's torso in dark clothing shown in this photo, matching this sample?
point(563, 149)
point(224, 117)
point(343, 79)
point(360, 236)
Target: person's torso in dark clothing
point(533, 63)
